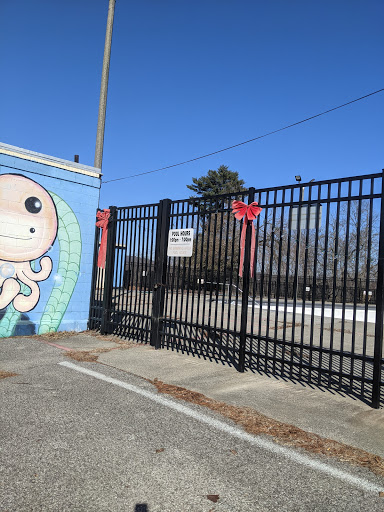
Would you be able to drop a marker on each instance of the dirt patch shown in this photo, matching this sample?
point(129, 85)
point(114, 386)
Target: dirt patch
point(4, 375)
point(283, 433)
point(123, 344)
point(86, 356)
point(52, 336)
point(91, 356)
point(55, 335)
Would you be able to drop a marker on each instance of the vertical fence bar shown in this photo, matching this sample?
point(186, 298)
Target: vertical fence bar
point(262, 279)
point(202, 208)
point(357, 285)
point(270, 273)
point(378, 351)
point(287, 272)
point(278, 283)
point(245, 294)
point(179, 282)
point(325, 267)
point(109, 270)
point(129, 264)
point(304, 289)
point(151, 272)
point(254, 294)
point(225, 274)
point(204, 320)
point(188, 328)
point(132, 269)
point(335, 263)
point(345, 298)
point(170, 276)
point(163, 219)
point(123, 320)
point(195, 279)
point(220, 206)
point(314, 282)
point(367, 286)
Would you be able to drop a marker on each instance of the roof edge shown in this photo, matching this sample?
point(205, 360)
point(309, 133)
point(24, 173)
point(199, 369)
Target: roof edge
point(60, 163)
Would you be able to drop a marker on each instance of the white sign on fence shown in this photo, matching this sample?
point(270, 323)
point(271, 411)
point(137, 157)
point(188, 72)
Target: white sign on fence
point(180, 242)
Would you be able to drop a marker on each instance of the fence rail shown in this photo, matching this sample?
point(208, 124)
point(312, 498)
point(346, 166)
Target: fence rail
point(313, 310)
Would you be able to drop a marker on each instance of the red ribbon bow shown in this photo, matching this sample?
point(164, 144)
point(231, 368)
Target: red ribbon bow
point(102, 223)
point(249, 213)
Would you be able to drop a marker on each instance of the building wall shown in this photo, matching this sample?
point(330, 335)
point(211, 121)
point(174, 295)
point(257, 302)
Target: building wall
point(47, 226)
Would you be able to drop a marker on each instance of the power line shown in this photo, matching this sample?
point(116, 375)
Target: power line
point(247, 141)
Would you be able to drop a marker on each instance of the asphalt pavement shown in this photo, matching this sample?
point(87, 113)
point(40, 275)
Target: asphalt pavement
point(100, 436)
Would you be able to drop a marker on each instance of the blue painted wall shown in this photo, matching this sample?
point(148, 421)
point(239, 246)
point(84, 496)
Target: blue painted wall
point(63, 303)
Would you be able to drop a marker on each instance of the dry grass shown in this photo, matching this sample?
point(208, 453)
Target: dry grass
point(83, 356)
point(4, 375)
point(86, 356)
point(283, 433)
point(54, 335)
point(91, 356)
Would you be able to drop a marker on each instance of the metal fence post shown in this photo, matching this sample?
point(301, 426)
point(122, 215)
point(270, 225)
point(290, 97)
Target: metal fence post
point(378, 351)
point(163, 220)
point(109, 270)
point(244, 298)
point(91, 321)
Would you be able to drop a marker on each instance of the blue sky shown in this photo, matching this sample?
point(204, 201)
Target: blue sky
point(188, 78)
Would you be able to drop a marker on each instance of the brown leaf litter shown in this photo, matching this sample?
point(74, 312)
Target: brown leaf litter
point(55, 335)
point(4, 374)
point(91, 356)
point(83, 356)
point(50, 336)
point(258, 424)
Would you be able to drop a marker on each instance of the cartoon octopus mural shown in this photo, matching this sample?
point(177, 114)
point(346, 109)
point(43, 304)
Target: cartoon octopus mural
point(31, 220)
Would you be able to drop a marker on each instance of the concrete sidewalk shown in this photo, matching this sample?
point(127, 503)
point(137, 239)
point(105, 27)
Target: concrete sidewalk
point(325, 413)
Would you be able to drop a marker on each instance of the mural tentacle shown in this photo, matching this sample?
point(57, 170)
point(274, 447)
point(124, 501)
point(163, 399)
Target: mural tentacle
point(69, 237)
point(12, 316)
point(9, 321)
point(10, 290)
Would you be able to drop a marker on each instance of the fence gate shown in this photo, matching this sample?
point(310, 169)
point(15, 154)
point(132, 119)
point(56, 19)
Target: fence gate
point(310, 310)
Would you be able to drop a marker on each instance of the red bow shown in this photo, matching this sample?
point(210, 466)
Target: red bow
point(249, 213)
point(102, 223)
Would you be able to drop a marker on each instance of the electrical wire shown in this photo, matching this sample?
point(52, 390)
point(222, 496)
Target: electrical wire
point(247, 141)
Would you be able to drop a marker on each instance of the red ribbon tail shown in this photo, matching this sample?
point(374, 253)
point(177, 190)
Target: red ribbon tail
point(242, 246)
point(103, 249)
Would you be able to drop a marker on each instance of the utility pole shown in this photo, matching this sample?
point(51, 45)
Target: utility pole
point(104, 87)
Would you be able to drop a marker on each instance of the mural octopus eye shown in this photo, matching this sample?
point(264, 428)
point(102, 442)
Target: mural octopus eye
point(32, 230)
point(33, 205)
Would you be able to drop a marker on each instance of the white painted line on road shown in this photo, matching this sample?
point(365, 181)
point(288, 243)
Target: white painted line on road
point(233, 431)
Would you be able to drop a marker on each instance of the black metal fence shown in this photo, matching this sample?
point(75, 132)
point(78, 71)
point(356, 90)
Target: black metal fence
point(313, 311)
